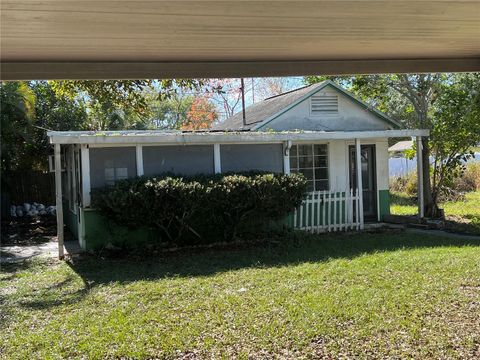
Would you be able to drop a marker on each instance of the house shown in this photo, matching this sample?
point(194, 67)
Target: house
point(316, 130)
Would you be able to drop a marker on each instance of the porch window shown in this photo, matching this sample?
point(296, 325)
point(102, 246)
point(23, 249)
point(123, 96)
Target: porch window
point(312, 161)
point(114, 174)
point(111, 164)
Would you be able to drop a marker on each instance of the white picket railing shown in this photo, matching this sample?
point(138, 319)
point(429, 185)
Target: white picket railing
point(325, 211)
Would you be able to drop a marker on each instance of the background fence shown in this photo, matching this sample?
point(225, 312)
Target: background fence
point(31, 186)
point(324, 211)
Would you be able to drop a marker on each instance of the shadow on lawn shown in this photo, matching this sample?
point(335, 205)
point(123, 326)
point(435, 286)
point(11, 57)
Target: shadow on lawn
point(296, 249)
point(293, 249)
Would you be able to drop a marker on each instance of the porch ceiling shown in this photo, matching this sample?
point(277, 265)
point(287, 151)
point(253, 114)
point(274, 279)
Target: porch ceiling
point(102, 39)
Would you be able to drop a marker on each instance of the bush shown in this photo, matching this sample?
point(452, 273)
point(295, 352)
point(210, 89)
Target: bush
point(203, 209)
point(470, 179)
point(404, 184)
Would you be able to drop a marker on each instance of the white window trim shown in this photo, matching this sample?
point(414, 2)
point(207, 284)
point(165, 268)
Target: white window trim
point(328, 156)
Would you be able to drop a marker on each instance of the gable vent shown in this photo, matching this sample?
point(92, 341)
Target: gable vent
point(324, 104)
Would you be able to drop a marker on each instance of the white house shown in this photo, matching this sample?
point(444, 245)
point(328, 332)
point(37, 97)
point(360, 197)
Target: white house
point(316, 130)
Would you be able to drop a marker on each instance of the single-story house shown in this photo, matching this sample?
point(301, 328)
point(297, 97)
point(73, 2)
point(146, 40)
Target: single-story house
point(316, 130)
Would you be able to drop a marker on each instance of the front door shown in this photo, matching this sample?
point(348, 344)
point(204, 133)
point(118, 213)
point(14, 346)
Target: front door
point(369, 183)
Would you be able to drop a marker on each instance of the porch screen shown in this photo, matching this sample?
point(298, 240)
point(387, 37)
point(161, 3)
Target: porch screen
point(312, 161)
point(108, 165)
point(248, 157)
point(181, 160)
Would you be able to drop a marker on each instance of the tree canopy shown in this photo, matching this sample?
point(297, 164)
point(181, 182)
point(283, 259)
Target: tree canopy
point(446, 104)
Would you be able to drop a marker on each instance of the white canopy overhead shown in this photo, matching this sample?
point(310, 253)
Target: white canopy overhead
point(102, 39)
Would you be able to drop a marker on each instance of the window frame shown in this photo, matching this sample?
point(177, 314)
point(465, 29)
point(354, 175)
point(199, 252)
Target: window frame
point(313, 168)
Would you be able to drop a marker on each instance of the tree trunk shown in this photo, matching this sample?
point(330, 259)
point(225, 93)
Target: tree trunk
point(431, 208)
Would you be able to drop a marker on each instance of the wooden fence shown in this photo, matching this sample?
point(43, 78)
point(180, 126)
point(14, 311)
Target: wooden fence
point(31, 186)
point(325, 211)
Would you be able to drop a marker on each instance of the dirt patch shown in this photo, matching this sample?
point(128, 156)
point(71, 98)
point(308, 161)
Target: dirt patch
point(29, 231)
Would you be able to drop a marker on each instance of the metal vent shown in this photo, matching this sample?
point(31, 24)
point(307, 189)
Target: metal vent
point(324, 104)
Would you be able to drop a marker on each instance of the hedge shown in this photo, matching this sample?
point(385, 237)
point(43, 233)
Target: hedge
point(202, 209)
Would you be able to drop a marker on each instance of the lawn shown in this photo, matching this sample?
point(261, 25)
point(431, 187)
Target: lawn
point(462, 216)
point(379, 295)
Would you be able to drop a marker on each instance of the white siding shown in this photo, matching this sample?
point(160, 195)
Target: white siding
point(381, 147)
point(337, 151)
point(351, 116)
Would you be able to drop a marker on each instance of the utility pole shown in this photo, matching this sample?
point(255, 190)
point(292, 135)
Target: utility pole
point(242, 84)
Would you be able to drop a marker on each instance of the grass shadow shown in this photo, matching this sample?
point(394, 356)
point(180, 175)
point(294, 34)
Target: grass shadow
point(297, 249)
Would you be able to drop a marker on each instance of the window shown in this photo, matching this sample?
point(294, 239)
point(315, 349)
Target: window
point(312, 161)
point(324, 104)
point(113, 174)
point(110, 164)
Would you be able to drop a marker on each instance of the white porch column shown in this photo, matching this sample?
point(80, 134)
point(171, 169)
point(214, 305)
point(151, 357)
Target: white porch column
point(286, 156)
point(358, 161)
point(217, 161)
point(58, 200)
point(420, 177)
point(139, 158)
point(85, 159)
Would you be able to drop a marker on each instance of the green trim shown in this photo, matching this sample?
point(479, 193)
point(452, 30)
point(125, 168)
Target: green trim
point(326, 83)
point(100, 231)
point(70, 220)
point(384, 203)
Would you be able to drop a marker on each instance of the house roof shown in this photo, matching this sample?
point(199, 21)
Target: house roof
point(262, 110)
point(261, 113)
point(401, 146)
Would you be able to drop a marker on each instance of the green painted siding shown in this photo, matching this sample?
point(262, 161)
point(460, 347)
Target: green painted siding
point(100, 231)
point(384, 202)
point(71, 220)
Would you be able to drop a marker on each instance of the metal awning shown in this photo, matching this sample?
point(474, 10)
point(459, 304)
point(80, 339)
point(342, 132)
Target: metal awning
point(178, 137)
point(102, 39)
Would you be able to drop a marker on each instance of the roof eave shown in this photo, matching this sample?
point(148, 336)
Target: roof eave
point(134, 138)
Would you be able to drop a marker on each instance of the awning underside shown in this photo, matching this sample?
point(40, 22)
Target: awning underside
point(103, 39)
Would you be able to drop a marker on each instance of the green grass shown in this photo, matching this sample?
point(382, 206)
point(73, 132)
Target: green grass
point(381, 295)
point(461, 216)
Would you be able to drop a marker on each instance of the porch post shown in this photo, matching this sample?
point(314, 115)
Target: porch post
point(217, 162)
point(139, 159)
point(85, 160)
point(420, 177)
point(358, 160)
point(58, 200)
point(286, 156)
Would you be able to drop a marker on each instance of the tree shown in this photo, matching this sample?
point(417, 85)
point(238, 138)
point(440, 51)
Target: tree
point(412, 100)
point(128, 95)
point(201, 115)
point(17, 101)
point(227, 95)
point(28, 110)
point(272, 86)
point(170, 113)
point(455, 131)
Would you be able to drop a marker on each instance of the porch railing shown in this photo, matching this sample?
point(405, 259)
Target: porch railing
point(326, 211)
